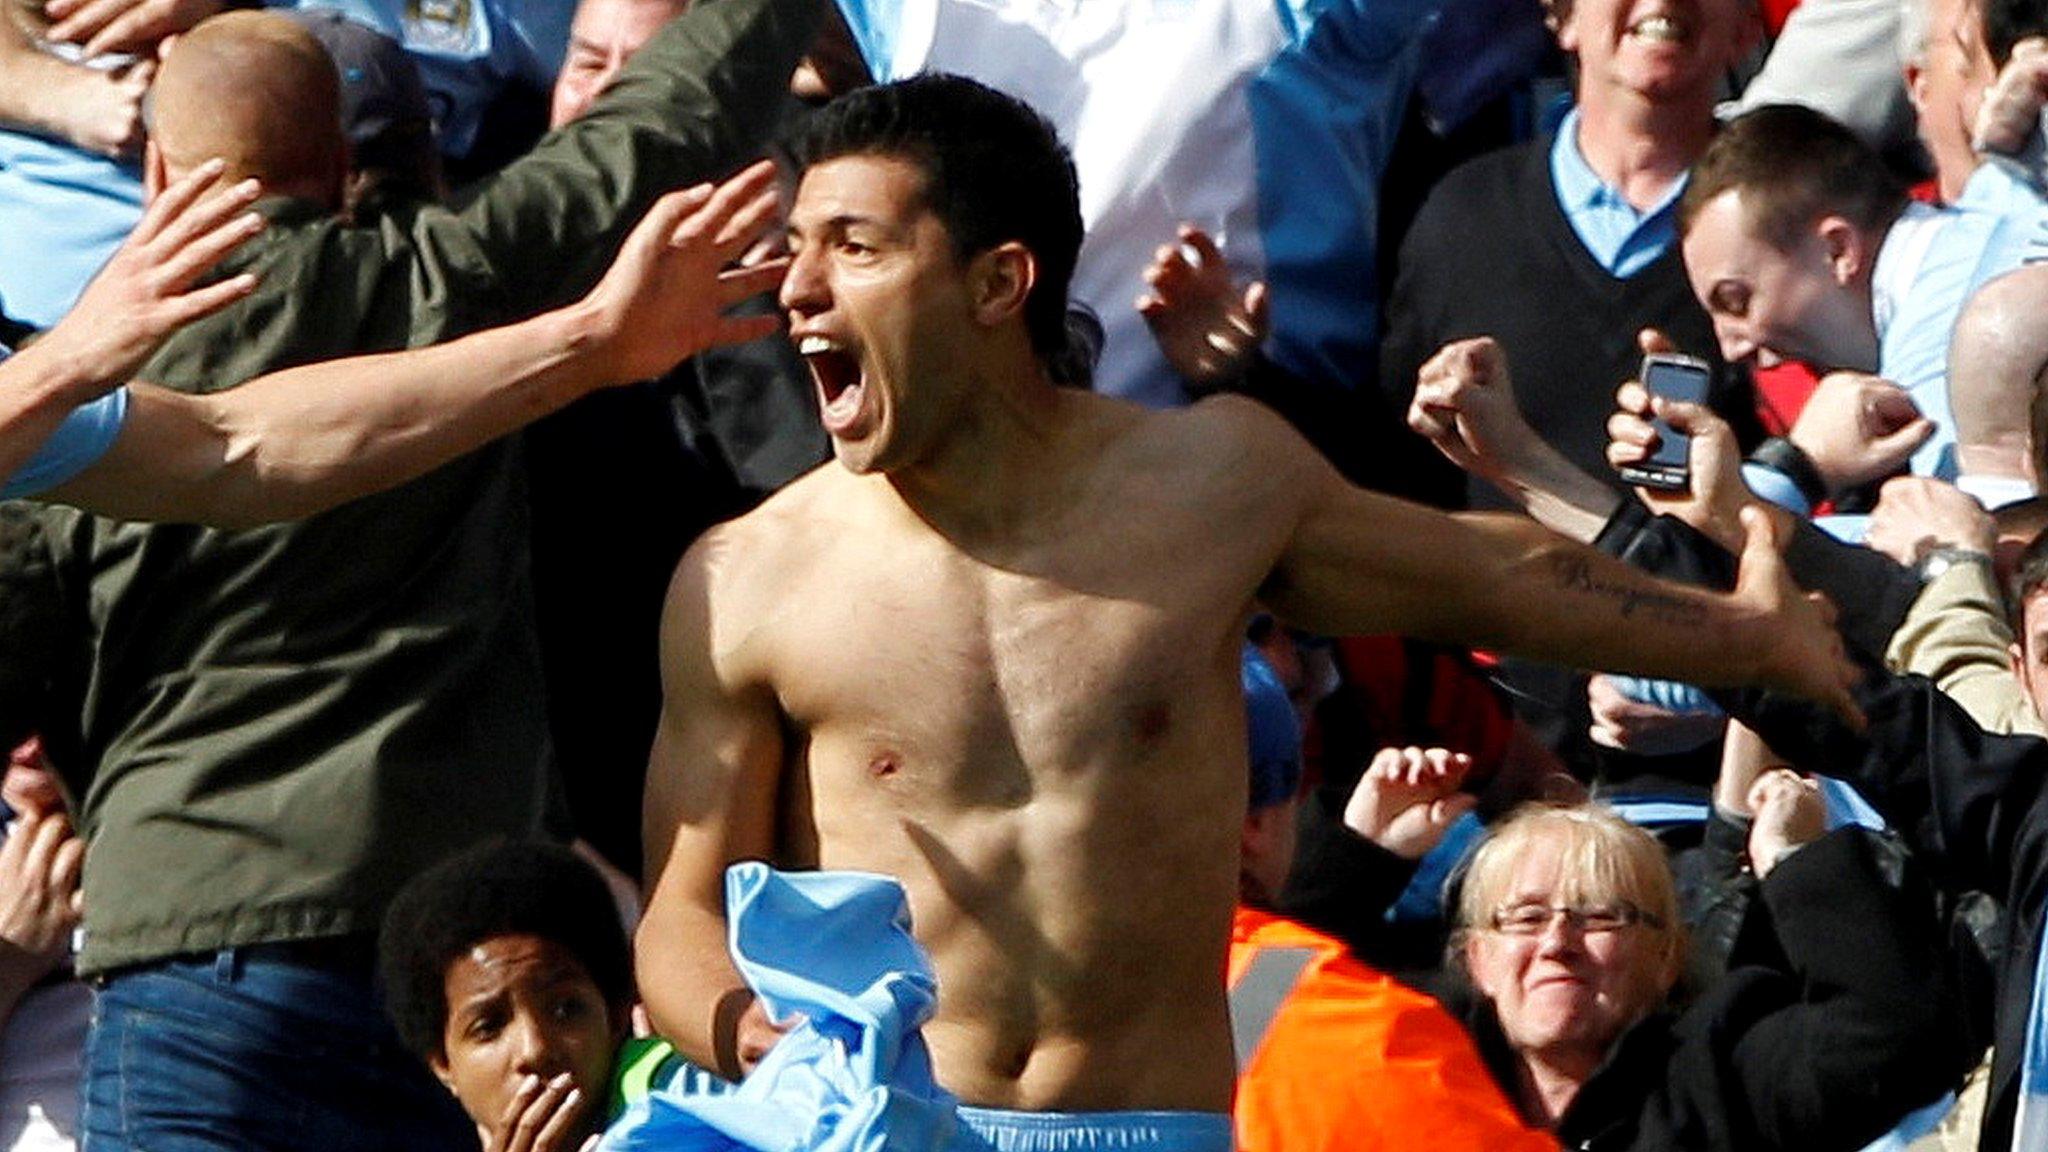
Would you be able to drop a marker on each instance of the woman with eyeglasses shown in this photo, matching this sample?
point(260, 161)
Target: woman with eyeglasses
point(1825, 1031)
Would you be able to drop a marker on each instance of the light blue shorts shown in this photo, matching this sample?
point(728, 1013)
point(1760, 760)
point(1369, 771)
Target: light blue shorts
point(1100, 1131)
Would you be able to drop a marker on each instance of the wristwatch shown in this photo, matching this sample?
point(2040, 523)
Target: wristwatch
point(1941, 559)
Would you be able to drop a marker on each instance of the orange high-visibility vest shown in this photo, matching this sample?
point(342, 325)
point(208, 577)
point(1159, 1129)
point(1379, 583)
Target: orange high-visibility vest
point(1333, 1054)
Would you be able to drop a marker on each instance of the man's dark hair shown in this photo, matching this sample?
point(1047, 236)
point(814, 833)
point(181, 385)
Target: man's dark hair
point(2030, 575)
point(1793, 166)
point(505, 888)
point(2007, 22)
point(994, 171)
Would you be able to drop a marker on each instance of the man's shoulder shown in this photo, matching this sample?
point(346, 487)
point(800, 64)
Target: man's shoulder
point(327, 288)
point(782, 536)
point(1231, 431)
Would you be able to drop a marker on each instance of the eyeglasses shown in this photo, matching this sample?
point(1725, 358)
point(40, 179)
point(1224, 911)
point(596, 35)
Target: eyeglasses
point(1532, 919)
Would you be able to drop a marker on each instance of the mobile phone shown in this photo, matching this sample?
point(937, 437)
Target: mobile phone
point(1673, 377)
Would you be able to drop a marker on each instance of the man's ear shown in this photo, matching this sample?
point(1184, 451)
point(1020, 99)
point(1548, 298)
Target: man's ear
point(2018, 656)
point(1001, 280)
point(1848, 249)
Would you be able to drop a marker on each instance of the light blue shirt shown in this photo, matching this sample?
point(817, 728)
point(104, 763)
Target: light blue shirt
point(63, 211)
point(833, 952)
point(1970, 248)
point(83, 437)
point(1623, 240)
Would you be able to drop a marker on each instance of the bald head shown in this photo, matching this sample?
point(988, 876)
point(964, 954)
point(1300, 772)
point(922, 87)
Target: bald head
point(257, 90)
point(1996, 362)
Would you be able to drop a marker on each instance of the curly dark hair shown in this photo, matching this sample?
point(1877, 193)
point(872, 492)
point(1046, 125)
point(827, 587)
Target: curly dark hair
point(504, 888)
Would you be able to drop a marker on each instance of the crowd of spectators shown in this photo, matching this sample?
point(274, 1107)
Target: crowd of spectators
point(1121, 506)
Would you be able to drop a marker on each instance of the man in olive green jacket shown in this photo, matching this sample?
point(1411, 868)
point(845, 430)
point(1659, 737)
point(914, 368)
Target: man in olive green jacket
point(281, 725)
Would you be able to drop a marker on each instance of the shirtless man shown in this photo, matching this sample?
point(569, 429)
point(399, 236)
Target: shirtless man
point(994, 652)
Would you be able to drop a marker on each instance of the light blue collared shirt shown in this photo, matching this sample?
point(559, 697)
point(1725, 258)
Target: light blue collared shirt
point(1623, 240)
point(84, 436)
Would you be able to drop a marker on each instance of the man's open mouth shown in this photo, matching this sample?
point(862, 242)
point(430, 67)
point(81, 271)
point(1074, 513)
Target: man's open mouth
point(838, 374)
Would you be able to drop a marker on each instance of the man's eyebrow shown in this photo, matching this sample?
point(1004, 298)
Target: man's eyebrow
point(837, 223)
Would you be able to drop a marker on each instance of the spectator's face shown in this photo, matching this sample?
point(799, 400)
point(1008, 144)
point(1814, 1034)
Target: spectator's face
point(2030, 651)
point(521, 1006)
point(881, 309)
point(1566, 990)
point(1947, 85)
point(1811, 303)
point(602, 37)
point(1658, 50)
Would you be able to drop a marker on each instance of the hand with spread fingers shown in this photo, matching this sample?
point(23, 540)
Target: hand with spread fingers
point(1208, 329)
point(664, 298)
point(154, 283)
point(542, 1116)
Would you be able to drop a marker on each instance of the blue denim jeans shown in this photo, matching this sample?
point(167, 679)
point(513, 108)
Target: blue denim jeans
point(252, 1049)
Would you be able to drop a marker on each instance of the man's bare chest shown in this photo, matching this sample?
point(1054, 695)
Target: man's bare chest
point(943, 669)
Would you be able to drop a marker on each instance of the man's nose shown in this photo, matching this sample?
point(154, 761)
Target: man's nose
point(1737, 345)
point(803, 287)
point(534, 1054)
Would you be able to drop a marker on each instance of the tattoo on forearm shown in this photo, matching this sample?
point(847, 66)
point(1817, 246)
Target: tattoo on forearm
point(1576, 574)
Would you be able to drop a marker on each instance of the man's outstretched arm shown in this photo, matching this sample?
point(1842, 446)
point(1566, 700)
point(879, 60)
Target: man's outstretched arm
point(713, 780)
point(305, 439)
point(1361, 563)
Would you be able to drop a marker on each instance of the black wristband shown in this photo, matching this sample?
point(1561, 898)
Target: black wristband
point(1782, 455)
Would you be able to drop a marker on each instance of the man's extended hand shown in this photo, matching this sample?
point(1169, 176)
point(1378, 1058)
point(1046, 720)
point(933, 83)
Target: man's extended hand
point(1857, 428)
point(146, 291)
point(1798, 649)
point(663, 299)
point(1915, 514)
point(1408, 798)
point(1207, 329)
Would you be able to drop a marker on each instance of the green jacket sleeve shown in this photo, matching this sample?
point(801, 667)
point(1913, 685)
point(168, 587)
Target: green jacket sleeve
point(694, 104)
